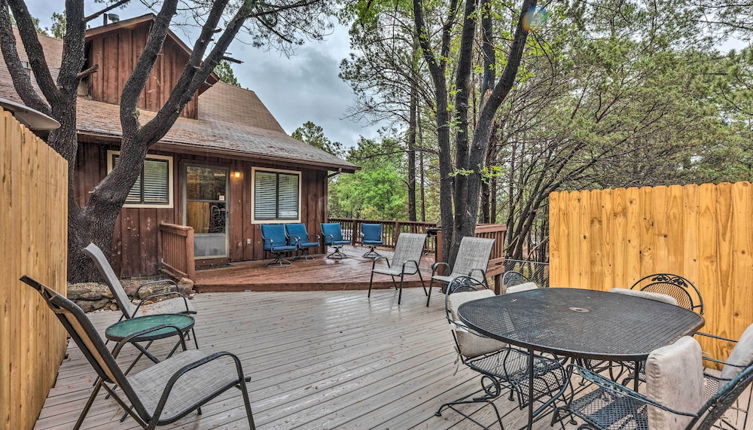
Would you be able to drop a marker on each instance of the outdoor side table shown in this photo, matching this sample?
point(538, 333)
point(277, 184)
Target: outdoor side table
point(579, 324)
point(125, 328)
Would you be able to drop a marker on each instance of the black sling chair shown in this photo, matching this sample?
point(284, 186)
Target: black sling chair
point(160, 394)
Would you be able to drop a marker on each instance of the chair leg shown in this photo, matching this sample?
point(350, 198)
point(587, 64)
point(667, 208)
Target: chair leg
point(82, 416)
point(279, 261)
point(247, 405)
point(371, 281)
point(400, 293)
point(372, 253)
point(195, 341)
point(422, 282)
point(337, 254)
point(428, 298)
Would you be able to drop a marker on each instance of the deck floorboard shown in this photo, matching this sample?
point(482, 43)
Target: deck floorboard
point(317, 360)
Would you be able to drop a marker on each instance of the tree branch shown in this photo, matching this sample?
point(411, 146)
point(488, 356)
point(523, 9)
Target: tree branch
point(105, 10)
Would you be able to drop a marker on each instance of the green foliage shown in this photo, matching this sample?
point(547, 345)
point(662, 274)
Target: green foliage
point(377, 191)
point(225, 73)
point(314, 135)
point(57, 29)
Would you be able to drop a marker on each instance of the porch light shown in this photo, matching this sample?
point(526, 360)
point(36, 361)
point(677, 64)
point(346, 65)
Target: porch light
point(237, 174)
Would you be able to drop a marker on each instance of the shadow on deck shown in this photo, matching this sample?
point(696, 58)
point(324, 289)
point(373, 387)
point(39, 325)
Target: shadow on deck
point(318, 274)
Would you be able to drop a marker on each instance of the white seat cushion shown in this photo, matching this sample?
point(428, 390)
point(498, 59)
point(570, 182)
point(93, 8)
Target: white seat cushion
point(522, 287)
point(169, 306)
point(742, 354)
point(471, 344)
point(659, 297)
point(674, 378)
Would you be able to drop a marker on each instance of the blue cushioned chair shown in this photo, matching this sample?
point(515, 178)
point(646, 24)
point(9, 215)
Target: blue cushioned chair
point(276, 242)
point(333, 236)
point(299, 237)
point(371, 236)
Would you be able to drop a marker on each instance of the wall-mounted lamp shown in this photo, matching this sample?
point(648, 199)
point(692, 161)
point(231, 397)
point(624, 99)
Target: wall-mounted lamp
point(237, 175)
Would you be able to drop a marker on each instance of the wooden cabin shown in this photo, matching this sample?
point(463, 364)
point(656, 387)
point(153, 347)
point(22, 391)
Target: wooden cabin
point(225, 166)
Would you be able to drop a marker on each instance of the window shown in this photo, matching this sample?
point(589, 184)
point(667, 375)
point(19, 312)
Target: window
point(276, 195)
point(154, 186)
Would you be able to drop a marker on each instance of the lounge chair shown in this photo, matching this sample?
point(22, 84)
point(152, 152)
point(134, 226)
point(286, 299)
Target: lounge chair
point(674, 397)
point(160, 394)
point(371, 236)
point(472, 260)
point(275, 242)
point(178, 304)
point(333, 236)
point(299, 237)
point(405, 261)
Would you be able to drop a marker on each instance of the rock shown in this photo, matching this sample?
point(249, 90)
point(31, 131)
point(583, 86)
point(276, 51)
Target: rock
point(92, 305)
point(130, 286)
point(185, 286)
point(88, 291)
point(113, 307)
point(152, 289)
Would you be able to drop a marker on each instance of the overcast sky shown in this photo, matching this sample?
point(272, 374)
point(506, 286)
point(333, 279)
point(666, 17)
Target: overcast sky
point(302, 87)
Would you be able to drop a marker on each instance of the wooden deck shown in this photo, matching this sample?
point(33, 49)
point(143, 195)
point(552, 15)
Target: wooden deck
point(317, 360)
point(318, 274)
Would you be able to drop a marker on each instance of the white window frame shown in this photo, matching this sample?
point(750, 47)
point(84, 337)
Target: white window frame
point(253, 195)
point(170, 177)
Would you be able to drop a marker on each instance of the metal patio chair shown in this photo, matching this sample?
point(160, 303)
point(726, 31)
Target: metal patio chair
point(512, 278)
point(275, 242)
point(502, 367)
point(300, 238)
point(371, 236)
point(472, 260)
point(405, 261)
point(674, 396)
point(525, 286)
point(659, 297)
point(682, 290)
point(160, 394)
point(178, 304)
point(333, 236)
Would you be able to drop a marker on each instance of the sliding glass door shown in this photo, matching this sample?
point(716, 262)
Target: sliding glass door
point(205, 209)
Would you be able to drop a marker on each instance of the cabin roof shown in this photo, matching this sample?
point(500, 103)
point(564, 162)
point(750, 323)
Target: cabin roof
point(232, 121)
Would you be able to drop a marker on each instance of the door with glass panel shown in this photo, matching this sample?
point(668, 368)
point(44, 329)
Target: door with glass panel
point(205, 209)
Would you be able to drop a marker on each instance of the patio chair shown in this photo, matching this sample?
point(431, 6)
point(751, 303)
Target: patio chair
point(178, 304)
point(502, 367)
point(684, 292)
point(512, 278)
point(659, 297)
point(333, 236)
point(276, 243)
point(160, 394)
point(299, 237)
point(371, 236)
point(472, 260)
point(405, 261)
point(674, 398)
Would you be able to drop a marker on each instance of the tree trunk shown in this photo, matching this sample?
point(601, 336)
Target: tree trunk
point(412, 151)
point(421, 164)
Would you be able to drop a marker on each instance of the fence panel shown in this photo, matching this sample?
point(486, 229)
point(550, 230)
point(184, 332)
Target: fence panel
point(33, 224)
point(611, 238)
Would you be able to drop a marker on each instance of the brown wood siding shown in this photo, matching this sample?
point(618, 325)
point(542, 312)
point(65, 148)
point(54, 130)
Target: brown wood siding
point(118, 51)
point(135, 244)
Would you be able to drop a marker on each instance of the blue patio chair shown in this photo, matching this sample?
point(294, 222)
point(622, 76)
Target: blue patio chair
point(333, 236)
point(371, 236)
point(276, 242)
point(299, 237)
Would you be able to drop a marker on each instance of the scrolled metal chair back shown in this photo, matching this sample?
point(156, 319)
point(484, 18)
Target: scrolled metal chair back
point(461, 284)
point(681, 289)
point(512, 278)
point(723, 400)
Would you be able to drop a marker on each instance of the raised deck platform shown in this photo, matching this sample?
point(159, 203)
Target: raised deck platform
point(318, 274)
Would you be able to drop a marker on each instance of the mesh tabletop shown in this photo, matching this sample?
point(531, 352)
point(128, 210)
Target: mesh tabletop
point(125, 328)
point(580, 323)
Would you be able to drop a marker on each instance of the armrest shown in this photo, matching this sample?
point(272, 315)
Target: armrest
point(621, 390)
point(169, 293)
point(189, 367)
point(483, 274)
point(713, 336)
point(381, 257)
point(160, 281)
point(411, 261)
point(132, 336)
point(436, 265)
point(726, 363)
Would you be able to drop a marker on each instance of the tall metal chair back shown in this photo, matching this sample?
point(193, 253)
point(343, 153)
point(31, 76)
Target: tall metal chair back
point(681, 289)
point(98, 257)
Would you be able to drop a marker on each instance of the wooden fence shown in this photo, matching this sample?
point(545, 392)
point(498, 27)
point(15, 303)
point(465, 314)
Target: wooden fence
point(176, 250)
point(611, 238)
point(33, 225)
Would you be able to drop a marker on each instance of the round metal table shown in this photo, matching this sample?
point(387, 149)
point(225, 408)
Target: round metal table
point(581, 324)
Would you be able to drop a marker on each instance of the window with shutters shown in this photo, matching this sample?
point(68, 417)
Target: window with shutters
point(276, 195)
point(154, 186)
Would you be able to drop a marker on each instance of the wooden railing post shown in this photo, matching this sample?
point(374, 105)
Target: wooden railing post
point(176, 250)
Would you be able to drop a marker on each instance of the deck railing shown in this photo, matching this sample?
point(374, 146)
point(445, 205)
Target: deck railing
point(351, 228)
point(176, 250)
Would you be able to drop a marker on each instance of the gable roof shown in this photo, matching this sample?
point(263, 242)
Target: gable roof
point(232, 122)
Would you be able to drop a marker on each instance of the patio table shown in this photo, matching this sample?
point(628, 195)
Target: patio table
point(579, 324)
